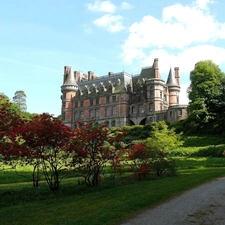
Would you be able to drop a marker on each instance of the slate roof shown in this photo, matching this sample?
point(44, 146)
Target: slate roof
point(171, 81)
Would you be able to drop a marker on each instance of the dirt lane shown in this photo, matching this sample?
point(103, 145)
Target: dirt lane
point(203, 205)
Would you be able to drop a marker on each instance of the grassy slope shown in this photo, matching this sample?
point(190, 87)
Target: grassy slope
point(103, 205)
point(108, 204)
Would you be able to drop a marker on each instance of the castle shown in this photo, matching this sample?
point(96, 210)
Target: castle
point(120, 99)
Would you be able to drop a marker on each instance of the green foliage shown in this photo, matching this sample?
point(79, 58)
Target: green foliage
point(161, 141)
point(211, 151)
point(14, 108)
point(20, 99)
point(162, 138)
point(207, 98)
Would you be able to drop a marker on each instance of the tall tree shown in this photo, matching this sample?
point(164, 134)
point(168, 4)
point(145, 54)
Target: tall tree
point(206, 93)
point(20, 99)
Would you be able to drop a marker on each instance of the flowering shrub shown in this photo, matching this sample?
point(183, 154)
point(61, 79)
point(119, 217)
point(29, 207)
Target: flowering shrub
point(138, 157)
point(95, 146)
point(47, 141)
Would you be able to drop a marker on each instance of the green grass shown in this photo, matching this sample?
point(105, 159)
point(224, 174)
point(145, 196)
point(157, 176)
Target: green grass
point(107, 204)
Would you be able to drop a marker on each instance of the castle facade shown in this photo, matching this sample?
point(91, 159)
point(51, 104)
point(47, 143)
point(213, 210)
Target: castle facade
point(121, 99)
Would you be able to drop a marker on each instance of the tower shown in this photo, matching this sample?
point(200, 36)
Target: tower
point(68, 89)
point(173, 87)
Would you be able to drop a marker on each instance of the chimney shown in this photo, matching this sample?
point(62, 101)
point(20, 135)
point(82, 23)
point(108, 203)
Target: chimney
point(90, 75)
point(156, 68)
point(76, 75)
point(110, 74)
point(66, 72)
point(177, 77)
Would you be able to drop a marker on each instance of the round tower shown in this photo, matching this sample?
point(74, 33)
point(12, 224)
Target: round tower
point(68, 89)
point(173, 87)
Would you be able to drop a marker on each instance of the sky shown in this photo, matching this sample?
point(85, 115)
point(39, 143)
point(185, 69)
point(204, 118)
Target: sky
point(38, 38)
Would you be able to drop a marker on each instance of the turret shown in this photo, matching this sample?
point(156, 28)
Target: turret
point(68, 89)
point(173, 87)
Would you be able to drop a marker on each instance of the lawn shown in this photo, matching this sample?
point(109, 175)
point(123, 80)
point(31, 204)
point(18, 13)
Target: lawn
point(107, 204)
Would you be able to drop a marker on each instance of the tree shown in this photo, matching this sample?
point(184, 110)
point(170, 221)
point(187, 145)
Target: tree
point(206, 93)
point(20, 99)
point(10, 121)
point(48, 141)
point(162, 140)
point(94, 146)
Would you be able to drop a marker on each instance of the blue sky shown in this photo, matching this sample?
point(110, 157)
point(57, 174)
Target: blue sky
point(39, 38)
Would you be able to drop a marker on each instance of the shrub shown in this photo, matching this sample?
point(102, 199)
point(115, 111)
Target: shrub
point(138, 156)
point(213, 151)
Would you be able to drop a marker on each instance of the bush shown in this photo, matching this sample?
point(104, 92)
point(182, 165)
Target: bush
point(164, 166)
point(145, 134)
point(213, 151)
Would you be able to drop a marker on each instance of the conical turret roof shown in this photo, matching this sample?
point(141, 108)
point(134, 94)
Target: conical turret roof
point(70, 83)
point(171, 81)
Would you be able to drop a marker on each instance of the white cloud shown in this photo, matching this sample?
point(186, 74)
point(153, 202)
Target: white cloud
point(125, 6)
point(98, 6)
point(110, 22)
point(181, 26)
point(183, 94)
point(185, 59)
point(202, 4)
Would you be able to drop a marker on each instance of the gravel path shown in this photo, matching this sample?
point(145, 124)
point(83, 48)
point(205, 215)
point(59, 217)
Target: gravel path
point(203, 205)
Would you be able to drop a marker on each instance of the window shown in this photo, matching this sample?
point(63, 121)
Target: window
point(151, 107)
point(134, 110)
point(139, 98)
point(161, 106)
point(180, 112)
point(151, 94)
point(161, 94)
point(92, 114)
point(81, 103)
point(108, 112)
point(82, 115)
point(76, 104)
point(91, 102)
point(107, 99)
point(114, 98)
point(76, 116)
point(164, 97)
point(171, 113)
point(97, 101)
point(113, 123)
point(141, 110)
point(97, 113)
point(114, 110)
